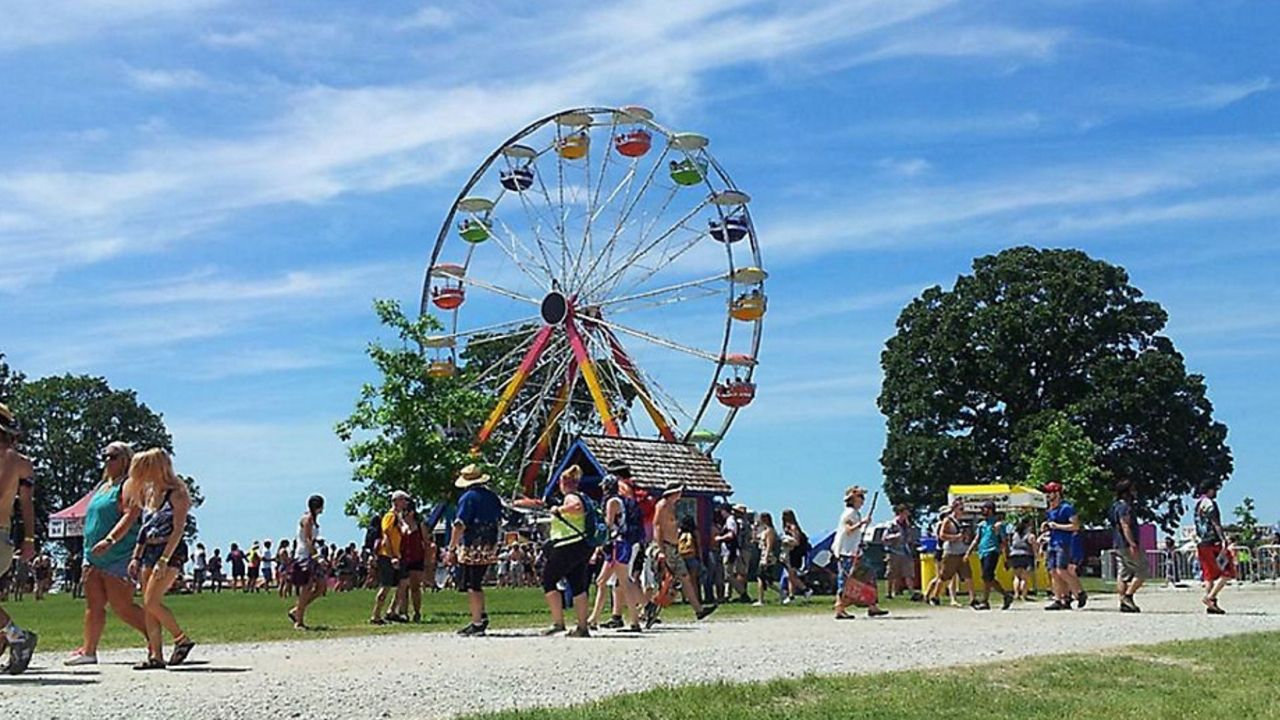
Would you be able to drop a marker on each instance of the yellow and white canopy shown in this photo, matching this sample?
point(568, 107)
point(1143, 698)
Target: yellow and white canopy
point(1006, 497)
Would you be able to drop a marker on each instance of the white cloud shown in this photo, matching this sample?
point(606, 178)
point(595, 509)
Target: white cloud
point(1218, 96)
point(160, 80)
point(429, 17)
point(28, 23)
point(1143, 185)
point(968, 41)
point(206, 287)
point(328, 141)
point(904, 167)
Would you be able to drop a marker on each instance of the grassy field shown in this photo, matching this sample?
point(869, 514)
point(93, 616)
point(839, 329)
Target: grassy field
point(1230, 677)
point(240, 617)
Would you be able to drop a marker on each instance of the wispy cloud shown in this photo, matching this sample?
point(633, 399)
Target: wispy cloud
point(1151, 184)
point(328, 141)
point(161, 80)
point(207, 286)
point(1217, 96)
point(30, 23)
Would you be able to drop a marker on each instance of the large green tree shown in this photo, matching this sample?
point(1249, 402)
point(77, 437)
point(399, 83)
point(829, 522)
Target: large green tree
point(67, 420)
point(409, 431)
point(975, 374)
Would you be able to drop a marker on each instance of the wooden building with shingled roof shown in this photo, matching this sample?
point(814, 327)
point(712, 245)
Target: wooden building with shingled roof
point(654, 463)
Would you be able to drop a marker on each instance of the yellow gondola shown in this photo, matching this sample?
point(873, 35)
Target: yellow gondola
point(749, 307)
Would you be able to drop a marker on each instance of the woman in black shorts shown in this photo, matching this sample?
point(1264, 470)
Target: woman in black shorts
point(568, 554)
point(161, 552)
point(1022, 557)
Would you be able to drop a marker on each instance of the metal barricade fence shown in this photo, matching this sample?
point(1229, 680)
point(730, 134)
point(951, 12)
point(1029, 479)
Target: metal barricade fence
point(1259, 564)
point(1174, 566)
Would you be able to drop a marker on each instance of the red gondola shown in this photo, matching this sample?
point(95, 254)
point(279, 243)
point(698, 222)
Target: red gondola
point(736, 393)
point(633, 144)
point(448, 298)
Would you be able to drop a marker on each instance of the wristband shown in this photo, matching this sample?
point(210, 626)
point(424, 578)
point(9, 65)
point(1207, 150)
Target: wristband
point(29, 540)
point(164, 560)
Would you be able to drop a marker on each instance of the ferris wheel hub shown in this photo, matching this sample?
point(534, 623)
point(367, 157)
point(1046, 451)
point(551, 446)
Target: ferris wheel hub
point(555, 308)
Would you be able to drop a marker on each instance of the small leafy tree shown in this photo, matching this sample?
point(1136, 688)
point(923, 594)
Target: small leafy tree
point(409, 431)
point(1247, 521)
point(1063, 454)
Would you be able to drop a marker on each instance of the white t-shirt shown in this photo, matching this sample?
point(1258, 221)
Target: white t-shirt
point(268, 558)
point(848, 542)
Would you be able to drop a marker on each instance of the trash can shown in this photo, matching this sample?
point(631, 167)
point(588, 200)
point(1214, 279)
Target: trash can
point(928, 563)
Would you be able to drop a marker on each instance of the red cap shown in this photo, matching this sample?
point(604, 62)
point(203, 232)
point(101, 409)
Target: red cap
point(1052, 487)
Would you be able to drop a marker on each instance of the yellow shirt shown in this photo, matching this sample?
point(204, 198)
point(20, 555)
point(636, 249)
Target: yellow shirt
point(390, 545)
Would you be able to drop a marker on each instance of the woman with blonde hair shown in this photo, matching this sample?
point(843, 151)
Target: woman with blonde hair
point(163, 498)
point(110, 533)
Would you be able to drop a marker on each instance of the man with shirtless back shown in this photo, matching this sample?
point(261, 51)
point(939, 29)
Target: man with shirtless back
point(666, 538)
point(15, 481)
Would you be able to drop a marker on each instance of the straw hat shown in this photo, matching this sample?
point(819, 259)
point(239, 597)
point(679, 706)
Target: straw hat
point(470, 475)
point(672, 488)
point(618, 466)
point(854, 490)
point(8, 423)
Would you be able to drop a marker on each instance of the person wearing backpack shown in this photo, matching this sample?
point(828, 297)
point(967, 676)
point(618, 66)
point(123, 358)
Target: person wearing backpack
point(616, 568)
point(669, 560)
point(574, 537)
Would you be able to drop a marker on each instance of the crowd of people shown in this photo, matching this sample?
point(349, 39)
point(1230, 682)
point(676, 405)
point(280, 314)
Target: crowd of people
point(634, 547)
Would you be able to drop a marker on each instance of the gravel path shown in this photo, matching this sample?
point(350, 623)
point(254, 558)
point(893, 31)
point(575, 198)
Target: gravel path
point(434, 675)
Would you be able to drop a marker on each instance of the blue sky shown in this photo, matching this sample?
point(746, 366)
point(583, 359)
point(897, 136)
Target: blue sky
point(199, 200)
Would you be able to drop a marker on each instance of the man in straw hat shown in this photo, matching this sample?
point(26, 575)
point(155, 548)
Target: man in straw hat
point(473, 544)
point(667, 539)
point(847, 546)
point(16, 474)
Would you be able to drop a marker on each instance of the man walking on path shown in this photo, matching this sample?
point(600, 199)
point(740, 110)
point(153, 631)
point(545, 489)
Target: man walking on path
point(388, 548)
point(666, 536)
point(954, 556)
point(473, 544)
point(16, 482)
point(1216, 564)
point(847, 546)
point(989, 542)
point(1063, 525)
point(1124, 539)
point(900, 542)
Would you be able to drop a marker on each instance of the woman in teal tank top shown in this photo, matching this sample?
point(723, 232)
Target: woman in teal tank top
point(111, 532)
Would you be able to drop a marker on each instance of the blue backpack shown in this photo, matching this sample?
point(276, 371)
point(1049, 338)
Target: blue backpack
point(596, 533)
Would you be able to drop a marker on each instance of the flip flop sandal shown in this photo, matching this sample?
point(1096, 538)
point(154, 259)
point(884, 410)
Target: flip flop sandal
point(150, 664)
point(181, 651)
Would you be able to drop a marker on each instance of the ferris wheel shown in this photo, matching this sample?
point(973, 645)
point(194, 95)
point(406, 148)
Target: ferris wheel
point(599, 273)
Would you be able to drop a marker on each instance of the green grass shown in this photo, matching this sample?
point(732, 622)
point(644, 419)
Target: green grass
point(1231, 677)
point(239, 617)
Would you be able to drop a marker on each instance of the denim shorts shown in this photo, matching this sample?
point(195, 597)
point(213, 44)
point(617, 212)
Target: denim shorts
point(1058, 557)
point(118, 569)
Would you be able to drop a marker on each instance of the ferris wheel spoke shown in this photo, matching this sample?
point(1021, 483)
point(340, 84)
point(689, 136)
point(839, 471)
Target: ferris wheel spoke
point(502, 364)
point(629, 205)
point(643, 249)
point(664, 302)
point(622, 363)
point(456, 334)
point(536, 222)
point(701, 282)
point(658, 340)
point(499, 290)
point(665, 262)
point(510, 251)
